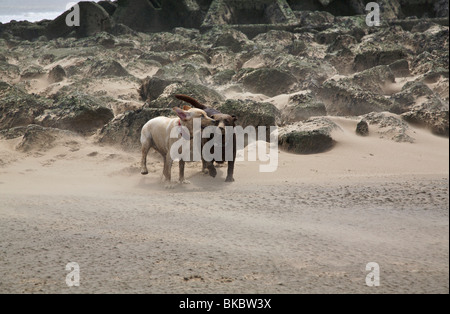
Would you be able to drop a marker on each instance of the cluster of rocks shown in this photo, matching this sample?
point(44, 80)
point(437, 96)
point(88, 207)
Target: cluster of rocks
point(321, 53)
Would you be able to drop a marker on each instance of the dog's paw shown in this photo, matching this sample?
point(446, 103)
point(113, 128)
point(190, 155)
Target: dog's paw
point(212, 172)
point(229, 179)
point(169, 186)
point(184, 182)
point(144, 172)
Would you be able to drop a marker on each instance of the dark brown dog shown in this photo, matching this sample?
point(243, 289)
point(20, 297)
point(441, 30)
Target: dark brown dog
point(222, 120)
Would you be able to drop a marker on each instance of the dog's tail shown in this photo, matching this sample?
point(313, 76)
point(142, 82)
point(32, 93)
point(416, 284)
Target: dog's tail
point(191, 100)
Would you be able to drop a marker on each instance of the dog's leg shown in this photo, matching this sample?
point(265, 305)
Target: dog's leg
point(211, 169)
point(230, 172)
point(167, 172)
point(204, 166)
point(182, 179)
point(145, 149)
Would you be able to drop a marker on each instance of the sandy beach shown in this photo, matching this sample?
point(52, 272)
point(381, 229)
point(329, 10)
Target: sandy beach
point(362, 178)
point(310, 227)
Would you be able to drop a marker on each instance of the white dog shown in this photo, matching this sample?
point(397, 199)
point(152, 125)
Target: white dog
point(156, 134)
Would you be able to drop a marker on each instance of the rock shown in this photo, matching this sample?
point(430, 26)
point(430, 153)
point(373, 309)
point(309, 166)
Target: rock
point(232, 39)
point(201, 93)
point(441, 8)
point(223, 77)
point(410, 94)
point(93, 19)
point(425, 62)
point(370, 54)
point(342, 98)
point(277, 40)
point(302, 107)
point(362, 128)
point(152, 87)
point(315, 18)
point(125, 130)
point(32, 72)
point(341, 42)
point(101, 68)
point(57, 74)
point(432, 114)
point(108, 6)
point(76, 112)
point(377, 79)
point(38, 138)
point(252, 113)
point(310, 137)
point(157, 16)
point(389, 126)
point(162, 58)
point(268, 81)
point(25, 30)
point(400, 68)
point(17, 108)
point(185, 71)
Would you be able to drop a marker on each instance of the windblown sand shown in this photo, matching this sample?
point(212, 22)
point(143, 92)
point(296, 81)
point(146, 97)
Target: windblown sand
point(310, 227)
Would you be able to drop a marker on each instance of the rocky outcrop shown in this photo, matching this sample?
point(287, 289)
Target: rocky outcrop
point(102, 68)
point(201, 93)
point(76, 112)
point(125, 129)
point(18, 108)
point(310, 137)
point(432, 114)
point(389, 127)
point(345, 99)
point(93, 19)
point(268, 81)
point(302, 107)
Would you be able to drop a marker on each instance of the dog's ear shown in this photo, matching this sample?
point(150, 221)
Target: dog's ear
point(182, 114)
point(234, 118)
point(186, 107)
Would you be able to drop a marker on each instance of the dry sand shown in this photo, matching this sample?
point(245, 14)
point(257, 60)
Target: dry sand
point(310, 227)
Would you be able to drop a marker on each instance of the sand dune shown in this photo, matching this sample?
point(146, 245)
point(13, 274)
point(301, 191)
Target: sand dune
point(311, 226)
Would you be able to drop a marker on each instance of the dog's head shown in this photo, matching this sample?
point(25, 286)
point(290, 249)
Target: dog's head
point(188, 114)
point(223, 120)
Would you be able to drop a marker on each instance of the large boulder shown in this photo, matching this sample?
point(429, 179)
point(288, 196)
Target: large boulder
point(101, 68)
point(37, 138)
point(342, 98)
point(378, 79)
point(371, 53)
point(18, 108)
point(76, 112)
point(152, 87)
point(309, 137)
point(251, 112)
point(411, 93)
point(302, 107)
point(389, 126)
point(93, 19)
point(268, 81)
point(166, 99)
point(125, 129)
point(432, 114)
